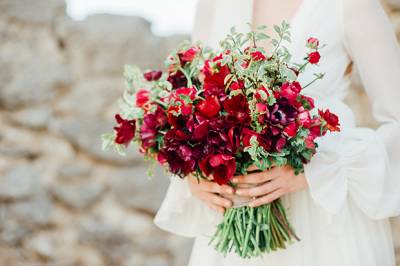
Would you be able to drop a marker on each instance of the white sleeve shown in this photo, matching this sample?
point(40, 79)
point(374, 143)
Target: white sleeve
point(364, 167)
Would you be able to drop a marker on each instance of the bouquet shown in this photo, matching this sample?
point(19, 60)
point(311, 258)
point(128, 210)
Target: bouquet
point(215, 114)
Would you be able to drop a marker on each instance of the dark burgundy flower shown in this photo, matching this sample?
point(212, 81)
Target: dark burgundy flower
point(221, 166)
point(209, 107)
point(177, 79)
point(142, 98)
point(152, 123)
point(125, 130)
point(152, 75)
point(332, 120)
point(237, 107)
point(246, 136)
point(281, 113)
point(314, 57)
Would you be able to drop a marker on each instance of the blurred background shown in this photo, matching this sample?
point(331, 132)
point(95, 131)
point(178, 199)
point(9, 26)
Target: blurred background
point(63, 201)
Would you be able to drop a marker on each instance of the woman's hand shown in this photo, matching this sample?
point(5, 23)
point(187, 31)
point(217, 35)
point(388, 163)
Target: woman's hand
point(207, 191)
point(272, 184)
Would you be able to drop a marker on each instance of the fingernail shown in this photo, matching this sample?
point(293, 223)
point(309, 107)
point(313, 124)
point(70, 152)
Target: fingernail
point(234, 180)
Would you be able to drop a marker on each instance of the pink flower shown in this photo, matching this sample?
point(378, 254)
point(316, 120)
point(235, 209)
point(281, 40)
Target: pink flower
point(261, 108)
point(304, 119)
point(125, 130)
point(314, 57)
point(312, 43)
point(290, 91)
point(221, 166)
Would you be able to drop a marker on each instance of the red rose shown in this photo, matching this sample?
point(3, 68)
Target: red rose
point(125, 130)
point(221, 166)
point(258, 56)
point(290, 91)
point(209, 107)
point(332, 121)
point(314, 57)
point(189, 55)
point(152, 75)
point(312, 43)
point(142, 98)
point(291, 130)
point(304, 119)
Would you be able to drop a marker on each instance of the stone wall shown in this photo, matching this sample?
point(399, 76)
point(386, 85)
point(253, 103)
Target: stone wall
point(62, 200)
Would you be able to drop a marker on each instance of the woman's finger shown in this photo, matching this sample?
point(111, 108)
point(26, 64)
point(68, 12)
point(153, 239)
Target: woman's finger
point(259, 190)
point(267, 198)
point(216, 208)
point(210, 186)
point(211, 198)
point(260, 177)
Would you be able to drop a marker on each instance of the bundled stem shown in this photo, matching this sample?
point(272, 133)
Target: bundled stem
point(251, 232)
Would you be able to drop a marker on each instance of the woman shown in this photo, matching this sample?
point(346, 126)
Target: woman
point(339, 206)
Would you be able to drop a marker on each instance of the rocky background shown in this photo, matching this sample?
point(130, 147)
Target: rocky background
point(62, 200)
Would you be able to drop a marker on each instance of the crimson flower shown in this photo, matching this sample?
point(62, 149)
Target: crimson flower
point(304, 119)
point(152, 75)
point(188, 55)
point(209, 107)
point(314, 57)
point(237, 107)
point(152, 122)
point(214, 77)
point(125, 130)
point(258, 56)
point(290, 130)
point(221, 166)
point(331, 120)
point(290, 90)
point(177, 79)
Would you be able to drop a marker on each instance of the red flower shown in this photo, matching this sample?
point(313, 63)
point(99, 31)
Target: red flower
point(312, 43)
point(238, 108)
point(331, 120)
point(214, 77)
point(182, 100)
point(290, 90)
point(258, 56)
point(152, 75)
point(237, 85)
point(209, 107)
point(152, 122)
point(221, 166)
point(309, 141)
point(189, 54)
point(314, 57)
point(142, 98)
point(246, 135)
point(290, 130)
point(125, 130)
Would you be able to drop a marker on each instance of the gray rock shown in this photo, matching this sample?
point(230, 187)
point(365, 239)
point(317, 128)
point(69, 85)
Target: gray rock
point(19, 182)
point(85, 133)
point(94, 52)
point(35, 118)
point(42, 245)
point(74, 170)
point(110, 241)
point(134, 189)
point(78, 195)
point(39, 11)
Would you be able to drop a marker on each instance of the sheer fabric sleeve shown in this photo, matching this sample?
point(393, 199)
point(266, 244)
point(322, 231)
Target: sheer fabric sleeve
point(364, 167)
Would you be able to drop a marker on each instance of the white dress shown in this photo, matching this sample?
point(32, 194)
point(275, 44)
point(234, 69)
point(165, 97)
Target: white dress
point(354, 180)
